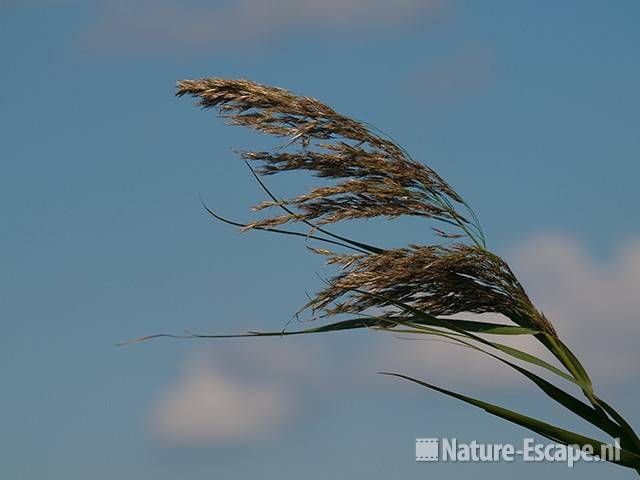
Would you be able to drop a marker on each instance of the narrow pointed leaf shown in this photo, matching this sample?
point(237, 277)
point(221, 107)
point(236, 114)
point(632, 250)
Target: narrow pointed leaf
point(556, 434)
point(583, 410)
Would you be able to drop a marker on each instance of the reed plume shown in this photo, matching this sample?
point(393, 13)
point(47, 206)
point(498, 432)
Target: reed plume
point(375, 177)
point(417, 286)
point(440, 280)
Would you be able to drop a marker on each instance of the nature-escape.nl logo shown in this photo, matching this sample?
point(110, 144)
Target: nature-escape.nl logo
point(450, 450)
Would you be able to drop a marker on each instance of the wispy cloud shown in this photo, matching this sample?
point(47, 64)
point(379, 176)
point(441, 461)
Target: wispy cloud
point(16, 4)
point(213, 404)
point(444, 363)
point(593, 304)
point(196, 25)
point(208, 405)
point(239, 392)
point(464, 72)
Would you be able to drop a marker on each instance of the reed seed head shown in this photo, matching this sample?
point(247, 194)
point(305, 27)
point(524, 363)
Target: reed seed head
point(439, 280)
point(374, 176)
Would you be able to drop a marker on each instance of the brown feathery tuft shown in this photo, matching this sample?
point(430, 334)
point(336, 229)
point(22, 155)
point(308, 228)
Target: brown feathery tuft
point(375, 177)
point(439, 280)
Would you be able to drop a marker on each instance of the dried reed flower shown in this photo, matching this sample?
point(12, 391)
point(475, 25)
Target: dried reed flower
point(375, 176)
point(439, 280)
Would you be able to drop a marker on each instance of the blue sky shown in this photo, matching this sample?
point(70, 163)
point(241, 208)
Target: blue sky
point(530, 109)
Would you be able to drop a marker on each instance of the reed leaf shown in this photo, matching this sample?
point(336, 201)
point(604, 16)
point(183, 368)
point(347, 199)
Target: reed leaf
point(556, 434)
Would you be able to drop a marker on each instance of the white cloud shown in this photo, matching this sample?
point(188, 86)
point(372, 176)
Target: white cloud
point(159, 24)
point(464, 73)
point(209, 405)
point(442, 363)
point(594, 305)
